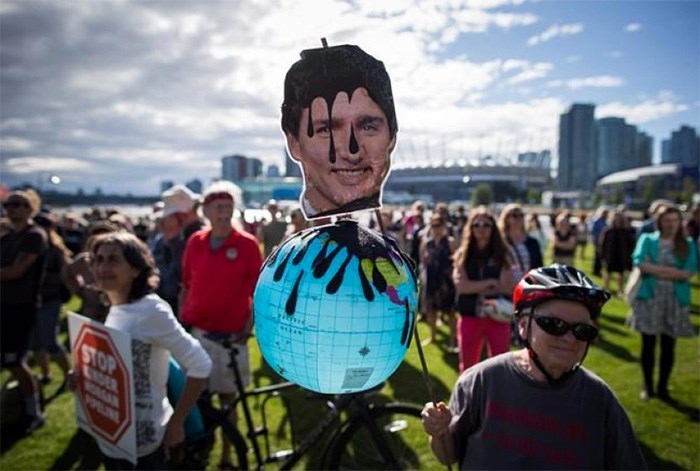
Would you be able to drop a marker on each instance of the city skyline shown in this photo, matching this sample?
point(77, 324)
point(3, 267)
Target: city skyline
point(124, 95)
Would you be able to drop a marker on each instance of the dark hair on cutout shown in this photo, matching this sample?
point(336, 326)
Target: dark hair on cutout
point(137, 255)
point(324, 72)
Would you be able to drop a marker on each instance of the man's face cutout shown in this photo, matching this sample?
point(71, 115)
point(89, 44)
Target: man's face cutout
point(340, 126)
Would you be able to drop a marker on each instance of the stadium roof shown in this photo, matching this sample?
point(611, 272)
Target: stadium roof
point(637, 173)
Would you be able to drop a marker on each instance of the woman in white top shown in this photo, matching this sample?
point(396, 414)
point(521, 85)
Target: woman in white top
point(125, 270)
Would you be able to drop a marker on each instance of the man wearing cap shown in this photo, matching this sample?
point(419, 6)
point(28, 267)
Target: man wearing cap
point(178, 222)
point(339, 121)
point(271, 232)
point(219, 272)
point(22, 255)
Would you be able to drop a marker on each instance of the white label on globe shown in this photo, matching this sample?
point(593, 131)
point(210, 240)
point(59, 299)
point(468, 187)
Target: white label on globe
point(355, 378)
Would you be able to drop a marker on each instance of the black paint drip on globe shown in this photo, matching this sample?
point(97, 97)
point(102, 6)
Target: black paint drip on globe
point(360, 243)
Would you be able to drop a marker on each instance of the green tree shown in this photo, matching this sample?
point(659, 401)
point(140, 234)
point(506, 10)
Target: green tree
point(648, 192)
point(482, 195)
point(534, 196)
point(689, 187)
point(618, 195)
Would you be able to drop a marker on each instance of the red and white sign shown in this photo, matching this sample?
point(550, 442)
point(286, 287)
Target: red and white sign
point(105, 399)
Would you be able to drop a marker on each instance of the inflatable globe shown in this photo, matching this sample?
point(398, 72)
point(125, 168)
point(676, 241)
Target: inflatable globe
point(335, 307)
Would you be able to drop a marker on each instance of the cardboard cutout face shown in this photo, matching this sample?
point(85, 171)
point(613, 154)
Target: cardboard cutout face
point(340, 125)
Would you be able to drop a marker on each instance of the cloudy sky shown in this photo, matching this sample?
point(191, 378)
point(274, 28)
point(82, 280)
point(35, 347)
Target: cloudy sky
point(124, 94)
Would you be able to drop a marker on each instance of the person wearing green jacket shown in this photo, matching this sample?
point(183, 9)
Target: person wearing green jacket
point(667, 259)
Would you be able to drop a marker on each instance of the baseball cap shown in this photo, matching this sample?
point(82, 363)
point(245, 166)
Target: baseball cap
point(178, 199)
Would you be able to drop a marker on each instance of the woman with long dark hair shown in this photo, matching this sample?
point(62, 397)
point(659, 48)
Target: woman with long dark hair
point(124, 269)
point(481, 272)
point(667, 259)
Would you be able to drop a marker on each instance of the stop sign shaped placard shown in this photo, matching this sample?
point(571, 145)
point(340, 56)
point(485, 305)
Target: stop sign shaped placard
point(104, 386)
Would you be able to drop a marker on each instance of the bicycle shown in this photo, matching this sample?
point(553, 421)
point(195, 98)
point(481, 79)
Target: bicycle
point(357, 432)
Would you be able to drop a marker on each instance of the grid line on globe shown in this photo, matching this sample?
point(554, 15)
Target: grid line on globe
point(340, 337)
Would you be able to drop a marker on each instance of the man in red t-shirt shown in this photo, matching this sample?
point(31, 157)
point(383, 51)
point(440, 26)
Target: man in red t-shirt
point(219, 271)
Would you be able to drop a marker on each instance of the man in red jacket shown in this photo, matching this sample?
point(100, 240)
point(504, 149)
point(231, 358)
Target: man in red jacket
point(219, 271)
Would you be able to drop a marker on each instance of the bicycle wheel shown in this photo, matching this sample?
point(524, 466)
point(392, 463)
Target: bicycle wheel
point(239, 447)
point(399, 428)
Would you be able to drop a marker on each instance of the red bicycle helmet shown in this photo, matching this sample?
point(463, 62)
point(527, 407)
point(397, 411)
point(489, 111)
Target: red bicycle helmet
point(558, 282)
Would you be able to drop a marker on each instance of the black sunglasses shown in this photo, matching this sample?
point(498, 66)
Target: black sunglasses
point(516, 215)
point(558, 327)
point(15, 204)
point(482, 224)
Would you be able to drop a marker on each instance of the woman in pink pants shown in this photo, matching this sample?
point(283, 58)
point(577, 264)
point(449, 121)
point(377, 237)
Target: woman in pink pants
point(482, 271)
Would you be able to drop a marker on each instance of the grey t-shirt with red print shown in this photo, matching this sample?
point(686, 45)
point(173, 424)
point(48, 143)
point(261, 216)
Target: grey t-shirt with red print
point(503, 419)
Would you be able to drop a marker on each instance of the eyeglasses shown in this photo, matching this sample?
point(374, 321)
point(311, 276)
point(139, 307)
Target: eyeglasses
point(482, 224)
point(557, 327)
point(516, 215)
point(15, 204)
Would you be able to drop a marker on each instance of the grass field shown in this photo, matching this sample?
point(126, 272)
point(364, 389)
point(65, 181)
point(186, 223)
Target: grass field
point(669, 434)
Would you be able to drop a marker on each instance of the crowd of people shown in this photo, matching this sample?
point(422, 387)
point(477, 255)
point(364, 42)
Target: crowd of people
point(183, 280)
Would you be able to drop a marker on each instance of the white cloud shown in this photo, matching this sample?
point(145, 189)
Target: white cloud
point(42, 163)
point(483, 128)
point(600, 81)
point(14, 144)
point(532, 72)
point(555, 31)
point(650, 109)
point(633, 27)
point(147, 91)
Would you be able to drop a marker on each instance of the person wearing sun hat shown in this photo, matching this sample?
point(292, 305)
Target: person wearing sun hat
point(22, 253)
point(178, 221)
point(219, 271)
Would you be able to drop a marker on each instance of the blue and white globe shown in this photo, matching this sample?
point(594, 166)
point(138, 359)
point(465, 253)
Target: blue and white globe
point(335, 308)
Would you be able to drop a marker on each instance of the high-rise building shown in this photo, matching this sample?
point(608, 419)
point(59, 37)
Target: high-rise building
point(195, 185)
point(233, 168)
point(620, 146)
point(577, 154)
point(236, 167)
point(665, 151)
point(254, 168)
point(291, 168)
point(540, 159)
point(644, 149)
point(612, 146)
point(684, 147)
point(273, 171)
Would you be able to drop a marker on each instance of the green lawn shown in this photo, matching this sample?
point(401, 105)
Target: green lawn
point(669, 434)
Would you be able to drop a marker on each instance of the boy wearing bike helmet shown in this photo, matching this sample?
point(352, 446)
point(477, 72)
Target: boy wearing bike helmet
point(537, 408)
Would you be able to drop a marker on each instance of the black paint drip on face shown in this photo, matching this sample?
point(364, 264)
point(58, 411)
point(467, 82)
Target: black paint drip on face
point(360, 243)
point(354, 147)
point(329, 100)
